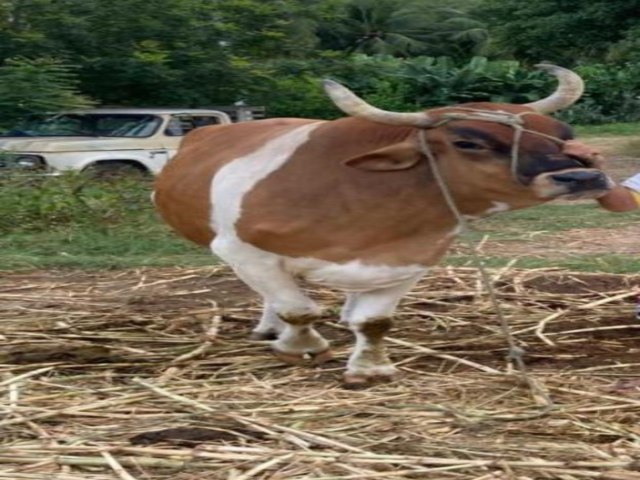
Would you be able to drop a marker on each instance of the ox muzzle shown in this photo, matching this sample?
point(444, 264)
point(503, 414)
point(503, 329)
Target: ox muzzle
point(573, 183)
point(576, 174)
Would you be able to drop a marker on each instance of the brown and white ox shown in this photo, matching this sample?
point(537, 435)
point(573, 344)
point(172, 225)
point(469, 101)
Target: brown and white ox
point(352, 203)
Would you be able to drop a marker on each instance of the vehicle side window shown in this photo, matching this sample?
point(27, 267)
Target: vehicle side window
point(65, 125)
point(180, 125)
point(174, 128)
point(204, 120)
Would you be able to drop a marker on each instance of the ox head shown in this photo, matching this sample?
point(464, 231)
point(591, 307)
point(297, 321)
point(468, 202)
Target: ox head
point(506, 153)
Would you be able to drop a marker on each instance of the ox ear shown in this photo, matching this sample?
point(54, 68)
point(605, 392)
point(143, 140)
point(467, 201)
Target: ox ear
point(400, 156)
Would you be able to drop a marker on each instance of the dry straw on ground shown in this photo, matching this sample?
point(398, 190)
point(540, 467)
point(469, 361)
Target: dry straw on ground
point(132, 375)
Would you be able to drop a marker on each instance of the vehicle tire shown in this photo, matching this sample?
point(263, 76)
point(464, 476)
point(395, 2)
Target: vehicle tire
point(115, 169)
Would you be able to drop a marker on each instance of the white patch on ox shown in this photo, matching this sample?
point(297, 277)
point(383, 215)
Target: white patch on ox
point(270, 322)
point(497, 208)
point(353, 276)
point(259, 269)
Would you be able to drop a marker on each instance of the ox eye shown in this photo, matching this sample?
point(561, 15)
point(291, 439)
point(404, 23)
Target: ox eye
point(467, 145)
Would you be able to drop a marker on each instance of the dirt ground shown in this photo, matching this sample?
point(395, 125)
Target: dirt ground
point(594, 241)
point(148, 374)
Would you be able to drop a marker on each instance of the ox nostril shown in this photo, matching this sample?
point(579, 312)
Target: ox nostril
point(563, 178)
point(578, 177)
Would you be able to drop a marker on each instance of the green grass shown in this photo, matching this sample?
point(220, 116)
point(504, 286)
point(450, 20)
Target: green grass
point(72, 222)
point(610, 129)
point(581, 263)
point(548, 220)
point(146, 245)
point(552, 218)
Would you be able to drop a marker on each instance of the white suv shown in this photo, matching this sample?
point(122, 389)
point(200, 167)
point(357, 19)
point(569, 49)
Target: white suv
point(102, 140)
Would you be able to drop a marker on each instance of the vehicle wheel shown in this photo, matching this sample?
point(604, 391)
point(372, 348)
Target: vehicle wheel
point(116, 169)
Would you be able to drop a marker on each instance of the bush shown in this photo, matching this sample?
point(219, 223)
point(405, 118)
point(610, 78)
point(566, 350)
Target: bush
point(612, 94)
point(400, 84)
point(40, 204)
point(441, 81)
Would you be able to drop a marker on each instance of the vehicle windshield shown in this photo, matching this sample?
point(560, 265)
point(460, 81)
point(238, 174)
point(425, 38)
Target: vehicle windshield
point(87, 125)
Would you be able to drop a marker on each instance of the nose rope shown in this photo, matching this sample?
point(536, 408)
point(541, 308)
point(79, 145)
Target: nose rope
point(516, 352)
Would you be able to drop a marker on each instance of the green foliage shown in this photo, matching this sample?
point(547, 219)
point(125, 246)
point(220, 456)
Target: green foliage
point(612, 95)
point(295, 88)
point(76, 221)
point(32, 86)
point(560, 31)
point(627, 49)
point(159, 52)
point(405, 28)
point(441, 81)
point(44, 203)
point(403, 84)
point(407, 84)
point(400, 54)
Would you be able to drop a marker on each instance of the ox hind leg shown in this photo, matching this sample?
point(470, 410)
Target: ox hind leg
point(369, 315)
point(288, 312)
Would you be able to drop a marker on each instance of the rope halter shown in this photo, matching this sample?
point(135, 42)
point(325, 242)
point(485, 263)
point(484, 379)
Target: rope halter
point(515, 121)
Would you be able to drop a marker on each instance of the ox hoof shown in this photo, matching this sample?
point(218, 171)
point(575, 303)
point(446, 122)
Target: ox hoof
point(262, 336)
point(321, 357)
point(365, 378)
point(289, 358)
point(355, 382)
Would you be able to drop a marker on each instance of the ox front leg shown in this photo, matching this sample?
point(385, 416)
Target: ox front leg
point(270, 325)
point(370, 319)
point(288, 313)
point(288, 317)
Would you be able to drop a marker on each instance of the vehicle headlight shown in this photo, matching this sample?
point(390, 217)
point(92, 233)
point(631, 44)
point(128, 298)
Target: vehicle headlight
point(30, 161)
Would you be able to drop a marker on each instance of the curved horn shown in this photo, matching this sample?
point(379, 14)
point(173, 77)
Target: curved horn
point(570, 89)
point(351, 104)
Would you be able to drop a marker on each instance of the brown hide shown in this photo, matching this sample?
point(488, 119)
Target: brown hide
point(182, 190)
point(316, 206)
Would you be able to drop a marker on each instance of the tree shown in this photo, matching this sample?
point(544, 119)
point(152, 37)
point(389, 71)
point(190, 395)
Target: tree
point(561, 31)
point(160, 52)
point(37, 86)
point(401, 28)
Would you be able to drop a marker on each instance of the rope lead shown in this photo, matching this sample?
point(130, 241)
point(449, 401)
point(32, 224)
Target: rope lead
point(516, 352)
